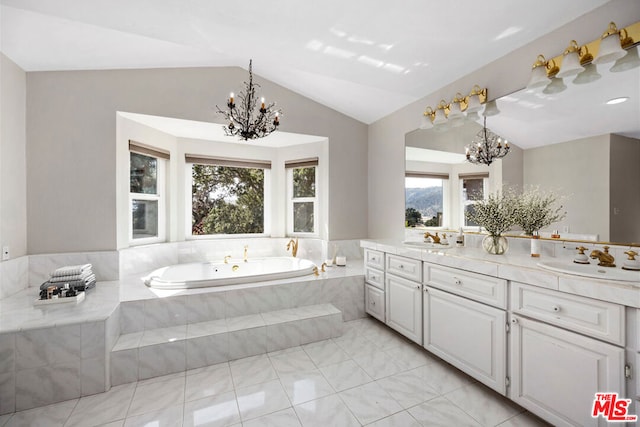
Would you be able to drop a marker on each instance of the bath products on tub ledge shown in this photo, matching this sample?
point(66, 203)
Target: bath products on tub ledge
point(341, 260)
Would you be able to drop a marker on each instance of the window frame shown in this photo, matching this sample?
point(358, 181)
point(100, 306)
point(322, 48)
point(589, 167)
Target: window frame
point(160, 197)
point(289, 167)
point(192, 159)
point(464, 203)
point(446, 196)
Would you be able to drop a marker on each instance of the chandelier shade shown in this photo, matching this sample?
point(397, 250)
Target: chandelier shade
point(486, 147)
point(244, 118)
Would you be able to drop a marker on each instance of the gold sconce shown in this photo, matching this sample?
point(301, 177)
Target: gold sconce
point(454, 113)
point(580, 61)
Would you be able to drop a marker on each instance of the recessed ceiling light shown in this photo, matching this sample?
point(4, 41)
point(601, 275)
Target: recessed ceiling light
point(617, 100)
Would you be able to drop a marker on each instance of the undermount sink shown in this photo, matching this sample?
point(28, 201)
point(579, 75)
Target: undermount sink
point(426, 245)
point(591, 270)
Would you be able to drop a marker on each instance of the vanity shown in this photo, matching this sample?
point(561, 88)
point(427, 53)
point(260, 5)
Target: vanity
point(545, 339)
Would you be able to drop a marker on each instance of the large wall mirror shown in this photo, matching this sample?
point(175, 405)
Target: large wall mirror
point(577, 143)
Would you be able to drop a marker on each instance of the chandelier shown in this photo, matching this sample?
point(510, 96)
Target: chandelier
point(486, 147)
point(244, 119)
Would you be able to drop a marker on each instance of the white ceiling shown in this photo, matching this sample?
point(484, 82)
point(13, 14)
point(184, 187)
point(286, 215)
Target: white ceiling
point(363, 58)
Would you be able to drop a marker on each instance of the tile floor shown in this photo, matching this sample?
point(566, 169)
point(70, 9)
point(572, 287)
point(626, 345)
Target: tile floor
point(369, 376)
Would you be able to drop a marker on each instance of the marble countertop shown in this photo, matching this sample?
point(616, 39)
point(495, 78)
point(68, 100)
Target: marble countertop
point(18, 313)
point(516, 266)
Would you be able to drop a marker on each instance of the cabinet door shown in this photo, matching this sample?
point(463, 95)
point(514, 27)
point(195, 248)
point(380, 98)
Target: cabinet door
point(404, 307)
point(467, 334)
point(374, 302)
point(556, 373)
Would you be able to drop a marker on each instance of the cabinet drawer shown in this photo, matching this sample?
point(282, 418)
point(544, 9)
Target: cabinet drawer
point(478, 287)
point(374, 259)
point(374, 302)
point(592, 317)
point(404, 267)
point(374, 277)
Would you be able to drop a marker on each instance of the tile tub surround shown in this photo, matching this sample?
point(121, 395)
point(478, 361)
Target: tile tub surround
point(255, 391)
point(14, 276)
point(131, 304)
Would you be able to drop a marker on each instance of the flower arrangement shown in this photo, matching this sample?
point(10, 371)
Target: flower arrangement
point(538, 209)
point(497, 213)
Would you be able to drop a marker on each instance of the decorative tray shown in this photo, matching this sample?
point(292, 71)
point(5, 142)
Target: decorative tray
point(77, 299)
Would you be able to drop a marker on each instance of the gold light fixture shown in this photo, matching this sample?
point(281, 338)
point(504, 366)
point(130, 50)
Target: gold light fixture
point(614, 45)
point(247, 121)
point(454, 113)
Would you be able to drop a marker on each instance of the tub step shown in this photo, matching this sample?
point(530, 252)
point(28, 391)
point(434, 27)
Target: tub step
point(163, 351)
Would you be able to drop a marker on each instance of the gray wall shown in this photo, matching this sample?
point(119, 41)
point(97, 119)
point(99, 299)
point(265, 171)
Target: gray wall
point(501, 77)
point(13, 190)
point(625, 189)
point(71, 134)
point(578, 170)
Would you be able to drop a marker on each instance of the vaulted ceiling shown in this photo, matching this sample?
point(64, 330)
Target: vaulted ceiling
point(365, 59)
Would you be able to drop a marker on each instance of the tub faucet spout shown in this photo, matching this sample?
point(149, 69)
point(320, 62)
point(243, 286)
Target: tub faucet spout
point(245, 256)
point(293, 246)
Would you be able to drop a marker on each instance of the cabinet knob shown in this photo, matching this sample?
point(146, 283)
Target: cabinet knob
point(418, 287)
point(373, 303)
point(555, 308)
point(514, 320)
point(457, 281)
point(401, 265)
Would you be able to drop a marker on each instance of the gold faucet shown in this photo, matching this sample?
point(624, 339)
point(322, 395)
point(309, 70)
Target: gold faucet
point(436, 238)
point(324, 264)
point(315, 270)
point(245, 256)
point(226, 259)
point(293, 245)
point(605, 258)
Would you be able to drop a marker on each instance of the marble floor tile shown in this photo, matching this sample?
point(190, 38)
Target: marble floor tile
point(102, 408)
point(284, 350)
point(289, 363)
point(525, 419)
point(369, 402)
point(483, 404)
point(407, 389)
point(118, 423)
point(324, 353)
point(345, 375)
point(4, 418)
point(440, 412)
point(356, 345)
point(442, 377)
point(252, 370)
point(261, 399)
point(208, 381)
point(401, 419)
point(213, 411)
point(284, 418)
point(156, 395)
point(378, 364)
point(44, 416)
point(305, 386)
point(324, 412)
point(169, 416)
point(409, 356)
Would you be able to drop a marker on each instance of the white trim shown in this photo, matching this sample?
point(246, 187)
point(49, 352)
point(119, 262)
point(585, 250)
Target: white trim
point(160, 197)
point(291, 200)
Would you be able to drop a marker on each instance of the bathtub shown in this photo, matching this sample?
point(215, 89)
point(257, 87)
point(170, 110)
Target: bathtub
point(206, 274)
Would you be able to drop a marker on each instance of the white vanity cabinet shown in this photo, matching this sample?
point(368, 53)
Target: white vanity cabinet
point(556, 371)
point(374, 288)
point(403, 292)
point(470, 335)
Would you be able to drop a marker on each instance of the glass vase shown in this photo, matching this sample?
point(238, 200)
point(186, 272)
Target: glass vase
point(495, 245)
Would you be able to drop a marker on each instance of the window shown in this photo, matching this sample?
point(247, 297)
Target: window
point(425, 195)
point(474, 188)
point(302, 177)
point(227, 196)
point(146, 194)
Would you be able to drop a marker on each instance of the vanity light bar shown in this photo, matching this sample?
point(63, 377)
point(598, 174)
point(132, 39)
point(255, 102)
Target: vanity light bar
point(629, 37)
point(470, 104)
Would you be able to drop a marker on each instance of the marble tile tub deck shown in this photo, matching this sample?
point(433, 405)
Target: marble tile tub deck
point(327, 383)
point(55, 353)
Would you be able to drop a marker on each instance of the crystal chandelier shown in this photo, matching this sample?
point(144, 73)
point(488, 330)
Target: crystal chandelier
point(244, 119)
point(486, 147)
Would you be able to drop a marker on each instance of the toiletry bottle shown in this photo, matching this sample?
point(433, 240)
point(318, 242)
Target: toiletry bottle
point(535, 245)
point(460, 239)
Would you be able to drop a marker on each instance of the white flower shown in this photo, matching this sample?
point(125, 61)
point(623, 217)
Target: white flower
point(537, 209)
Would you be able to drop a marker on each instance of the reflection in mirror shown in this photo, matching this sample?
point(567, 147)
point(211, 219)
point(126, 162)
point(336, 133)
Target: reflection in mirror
point(572, 143)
